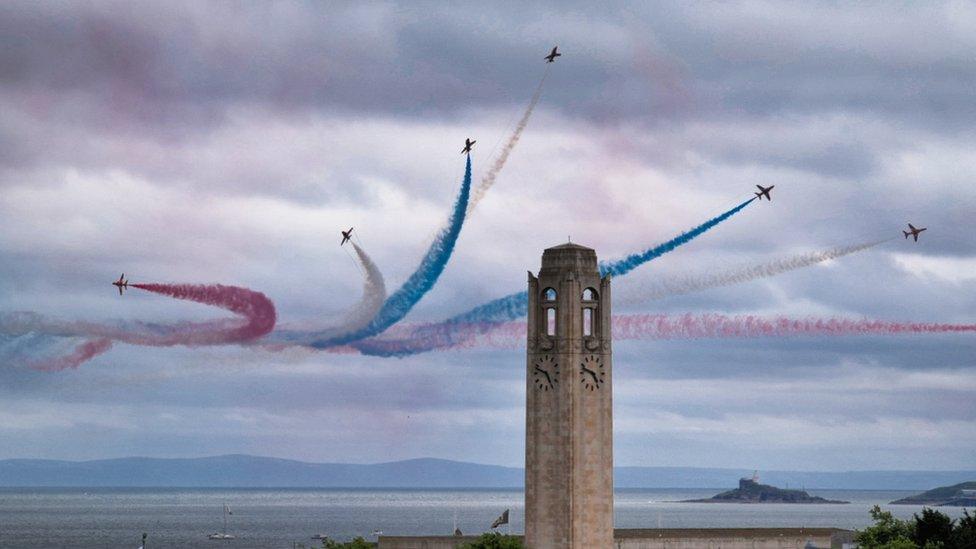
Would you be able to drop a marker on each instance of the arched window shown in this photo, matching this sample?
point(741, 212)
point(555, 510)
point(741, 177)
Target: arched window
point(587, 322)
point(551, 321)
point(589, 294)
point(549, 294)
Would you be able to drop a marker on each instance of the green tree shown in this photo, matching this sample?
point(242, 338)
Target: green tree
point(887, 532)
point(494, 540)
point(933, 529)
point(356, 543)
point(964, 534)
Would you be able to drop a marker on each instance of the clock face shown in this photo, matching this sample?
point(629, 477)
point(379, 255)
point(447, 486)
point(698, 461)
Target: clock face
point(592, 374)
point(545, 372)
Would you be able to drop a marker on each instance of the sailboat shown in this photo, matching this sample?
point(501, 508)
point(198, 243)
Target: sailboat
point(223, 535)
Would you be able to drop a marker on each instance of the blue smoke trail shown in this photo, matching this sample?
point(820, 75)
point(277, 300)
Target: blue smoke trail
point(516, 305)
point(631, 262)
point(421, 281)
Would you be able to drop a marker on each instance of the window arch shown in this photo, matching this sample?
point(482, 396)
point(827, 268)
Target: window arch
point(589, 294)
point(549, 294)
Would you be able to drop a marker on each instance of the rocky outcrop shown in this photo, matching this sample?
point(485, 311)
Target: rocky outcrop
point(750, 491)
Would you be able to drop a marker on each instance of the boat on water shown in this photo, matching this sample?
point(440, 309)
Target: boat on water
point(223, 536)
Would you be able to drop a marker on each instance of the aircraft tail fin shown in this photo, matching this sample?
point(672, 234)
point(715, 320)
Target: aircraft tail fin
point(906, 234)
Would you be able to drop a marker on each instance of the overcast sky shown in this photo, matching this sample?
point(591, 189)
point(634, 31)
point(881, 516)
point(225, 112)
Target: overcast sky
point(229, 142)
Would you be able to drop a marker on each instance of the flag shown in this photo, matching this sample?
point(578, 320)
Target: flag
point(501, 520)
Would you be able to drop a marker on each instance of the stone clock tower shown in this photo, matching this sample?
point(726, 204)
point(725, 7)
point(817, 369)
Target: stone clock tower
point(569, 404)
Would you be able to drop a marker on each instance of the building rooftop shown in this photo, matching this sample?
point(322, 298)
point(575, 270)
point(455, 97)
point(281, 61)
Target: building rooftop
point(569, 257)
point(720, 532)
point(570, 246)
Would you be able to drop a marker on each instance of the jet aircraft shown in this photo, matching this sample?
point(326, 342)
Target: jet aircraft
point(468, 143)
point(552, 55)
point(121, 283)
point(764, 191)
point(346, 235)
point(913, 232)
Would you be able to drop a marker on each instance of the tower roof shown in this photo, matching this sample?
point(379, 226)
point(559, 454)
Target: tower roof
point(569, 257)
point(570, 246)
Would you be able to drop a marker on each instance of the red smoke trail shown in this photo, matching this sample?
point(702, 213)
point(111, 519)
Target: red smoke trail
point(82, 353)
point(258, 311)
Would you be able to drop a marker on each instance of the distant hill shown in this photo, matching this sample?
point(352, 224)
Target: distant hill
point(944, 495)
point(253, 471)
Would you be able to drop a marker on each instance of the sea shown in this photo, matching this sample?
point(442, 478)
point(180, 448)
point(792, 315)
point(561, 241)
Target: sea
point(289, 518)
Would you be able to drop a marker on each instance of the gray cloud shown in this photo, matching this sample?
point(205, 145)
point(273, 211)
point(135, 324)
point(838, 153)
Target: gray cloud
point(221, 142)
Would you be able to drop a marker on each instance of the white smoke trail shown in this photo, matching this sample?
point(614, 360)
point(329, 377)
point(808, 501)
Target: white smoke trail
point(678, 286)
point(374, 294)
point(356, 318)
point(489, 178)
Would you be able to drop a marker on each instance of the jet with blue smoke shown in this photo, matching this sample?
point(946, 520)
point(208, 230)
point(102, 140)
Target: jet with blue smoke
point(514, 306)
point(631, 262)
point(421, 281)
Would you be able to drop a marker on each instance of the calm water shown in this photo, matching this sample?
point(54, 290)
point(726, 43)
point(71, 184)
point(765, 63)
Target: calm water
point(102, 517)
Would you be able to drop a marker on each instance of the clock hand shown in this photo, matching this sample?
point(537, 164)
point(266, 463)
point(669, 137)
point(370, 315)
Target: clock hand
point(545, 373)
point(592, 374)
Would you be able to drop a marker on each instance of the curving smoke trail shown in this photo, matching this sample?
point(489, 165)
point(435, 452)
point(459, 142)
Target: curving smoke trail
point(421, 281)
point(678, 286)
point(482, 319)
point(408, 340)
point(258, 312)
point(489, 178)
point(631, 262)
point(516, 305)
point(374, 294)
point(81, 354)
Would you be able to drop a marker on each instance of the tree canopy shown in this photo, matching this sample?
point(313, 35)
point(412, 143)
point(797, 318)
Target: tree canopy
point(932, 530)
point(495, 540)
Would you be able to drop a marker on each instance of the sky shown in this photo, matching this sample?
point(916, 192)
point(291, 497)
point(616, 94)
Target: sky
point(229, 143)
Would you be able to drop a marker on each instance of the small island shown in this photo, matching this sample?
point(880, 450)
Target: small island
point(957, 495)
point(750, 491)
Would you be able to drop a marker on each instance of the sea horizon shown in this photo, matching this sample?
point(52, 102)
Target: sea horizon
point(95, 517)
